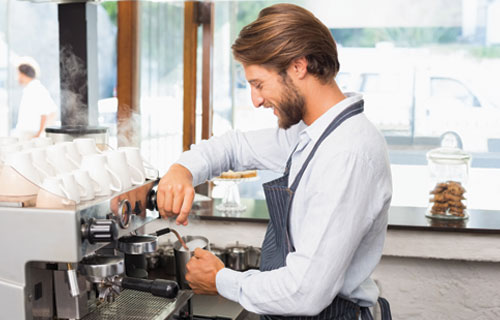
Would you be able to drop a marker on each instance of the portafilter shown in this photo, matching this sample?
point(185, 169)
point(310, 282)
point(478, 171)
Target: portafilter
point(106, 273)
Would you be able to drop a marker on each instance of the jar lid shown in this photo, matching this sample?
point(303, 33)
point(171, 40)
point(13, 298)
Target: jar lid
point(448, 154)
point(236, 249)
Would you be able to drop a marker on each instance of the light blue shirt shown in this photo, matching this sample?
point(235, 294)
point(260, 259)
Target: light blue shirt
point(338, 218)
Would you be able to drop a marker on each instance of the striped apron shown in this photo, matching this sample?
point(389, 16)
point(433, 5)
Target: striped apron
point(277, 243)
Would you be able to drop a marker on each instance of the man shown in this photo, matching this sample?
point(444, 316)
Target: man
point(37, 109)
point(329, 210)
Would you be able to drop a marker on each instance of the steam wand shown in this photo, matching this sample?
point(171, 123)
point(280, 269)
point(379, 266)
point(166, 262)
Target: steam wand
point(152, 204)
point(167, 230)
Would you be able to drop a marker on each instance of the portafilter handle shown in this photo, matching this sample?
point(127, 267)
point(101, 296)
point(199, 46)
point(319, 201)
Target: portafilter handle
point(151, 201)
point(151, 197)
point(159, 287)
point(152, 204)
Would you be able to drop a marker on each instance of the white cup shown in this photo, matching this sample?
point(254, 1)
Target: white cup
point(8, 140)
point(117, 160)
point(8, 149)
point(90, 186)
point(73, 188)
point(28, 144)
point(57, 158)
point(86, 146)
point(41, 142)
point(97, 166)
point(22, 163)
point(136, 163)
point(39, 158)
point(72, 153)
point(53, 194)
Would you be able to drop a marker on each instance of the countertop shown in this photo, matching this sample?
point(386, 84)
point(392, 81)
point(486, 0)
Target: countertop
point(400, 218)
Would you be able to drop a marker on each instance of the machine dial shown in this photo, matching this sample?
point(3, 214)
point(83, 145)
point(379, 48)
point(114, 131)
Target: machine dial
point(100, 230)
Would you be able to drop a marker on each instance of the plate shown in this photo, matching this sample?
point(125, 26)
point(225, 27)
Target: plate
point(428, 214)
point(235, 180)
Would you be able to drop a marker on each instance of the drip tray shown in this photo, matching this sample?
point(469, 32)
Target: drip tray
point(136, 305)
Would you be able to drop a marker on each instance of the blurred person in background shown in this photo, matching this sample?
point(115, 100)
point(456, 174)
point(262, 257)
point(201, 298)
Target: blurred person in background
point(37, 109)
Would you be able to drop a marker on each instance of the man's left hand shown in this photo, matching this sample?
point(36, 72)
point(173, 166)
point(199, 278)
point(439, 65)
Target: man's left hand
point(202, 270)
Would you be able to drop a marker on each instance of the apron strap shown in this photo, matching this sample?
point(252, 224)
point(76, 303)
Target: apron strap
point(385, 310)
point(344, 115)
point(289, 161)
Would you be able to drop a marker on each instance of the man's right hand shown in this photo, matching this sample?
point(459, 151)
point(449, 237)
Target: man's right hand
point(176, 193)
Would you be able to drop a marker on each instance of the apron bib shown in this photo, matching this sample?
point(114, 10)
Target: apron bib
point(277, 243)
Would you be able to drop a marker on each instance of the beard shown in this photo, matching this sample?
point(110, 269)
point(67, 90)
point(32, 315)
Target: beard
point(291, 107)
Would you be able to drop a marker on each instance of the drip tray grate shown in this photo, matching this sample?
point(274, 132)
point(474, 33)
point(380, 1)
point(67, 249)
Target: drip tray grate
point(136, 305)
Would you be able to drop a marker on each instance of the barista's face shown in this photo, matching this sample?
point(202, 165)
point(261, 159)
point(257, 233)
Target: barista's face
point(23, 79)
point(272, 90)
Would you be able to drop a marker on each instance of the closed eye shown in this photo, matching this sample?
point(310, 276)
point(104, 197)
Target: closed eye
point(256, 84)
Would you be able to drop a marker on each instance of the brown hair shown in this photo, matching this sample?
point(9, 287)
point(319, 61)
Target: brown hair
point(27, 70)
point(283, 33)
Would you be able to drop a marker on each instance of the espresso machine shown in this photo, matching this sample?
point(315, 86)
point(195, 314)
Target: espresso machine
point(67, 262)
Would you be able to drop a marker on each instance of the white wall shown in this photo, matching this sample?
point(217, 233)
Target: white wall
point(440, 289)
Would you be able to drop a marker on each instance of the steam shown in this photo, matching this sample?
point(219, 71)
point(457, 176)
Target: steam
point(129, 129)
point(74, 108)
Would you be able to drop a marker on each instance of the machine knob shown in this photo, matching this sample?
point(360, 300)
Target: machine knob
point(151, 200)
point(100, 230)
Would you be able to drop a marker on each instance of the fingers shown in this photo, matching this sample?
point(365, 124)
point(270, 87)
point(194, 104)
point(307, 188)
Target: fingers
point(175, 200)
point(167, 205)
point(176, 193)
point(186, 206)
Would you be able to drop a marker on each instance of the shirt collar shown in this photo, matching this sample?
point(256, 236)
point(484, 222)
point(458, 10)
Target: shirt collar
point(316, 128)
point(33, 83)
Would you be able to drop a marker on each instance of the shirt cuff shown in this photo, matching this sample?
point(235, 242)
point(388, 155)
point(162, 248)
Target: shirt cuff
point(227, 282)
point(196, 165)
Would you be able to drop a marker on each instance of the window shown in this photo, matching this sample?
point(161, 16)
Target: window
point(161, 41)
point(453, 89)
point(19, 38)
point(424, 69)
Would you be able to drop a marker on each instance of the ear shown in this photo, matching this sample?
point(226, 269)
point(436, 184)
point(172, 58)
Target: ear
point(299, 68)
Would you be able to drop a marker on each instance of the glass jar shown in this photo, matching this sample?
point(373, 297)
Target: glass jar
point(449, 172)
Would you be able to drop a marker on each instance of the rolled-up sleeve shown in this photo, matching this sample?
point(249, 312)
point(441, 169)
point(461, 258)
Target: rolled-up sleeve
point(265, 149)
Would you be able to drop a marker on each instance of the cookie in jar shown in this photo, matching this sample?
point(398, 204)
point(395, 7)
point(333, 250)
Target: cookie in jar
point(448, 173)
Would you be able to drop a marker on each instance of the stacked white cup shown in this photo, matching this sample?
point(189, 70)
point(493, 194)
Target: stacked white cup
point(76, 171)
point(136, 163)
point(89, 185)
point(8, 140)
point(86, 146)
point(53, 194)
point(99, 170)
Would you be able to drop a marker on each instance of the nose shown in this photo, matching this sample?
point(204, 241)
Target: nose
point(257, 99)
